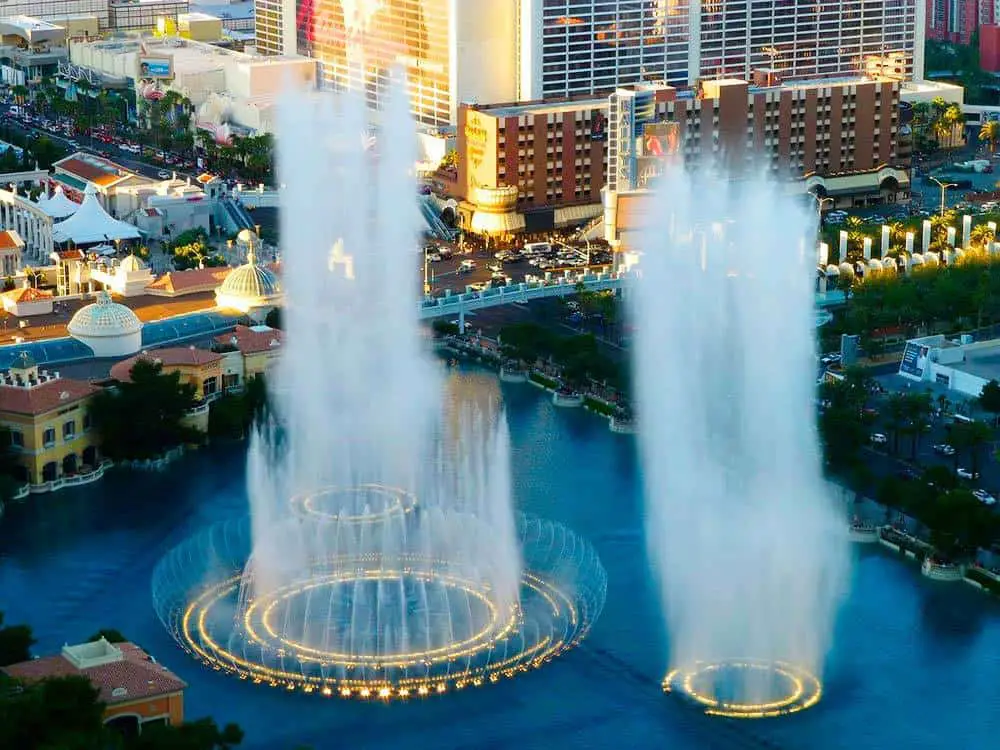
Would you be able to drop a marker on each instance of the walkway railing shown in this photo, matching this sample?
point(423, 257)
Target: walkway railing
point(71, 481)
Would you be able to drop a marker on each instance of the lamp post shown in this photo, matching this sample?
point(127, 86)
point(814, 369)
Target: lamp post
point(427, 283)
point(820, 202)
point(944, 190)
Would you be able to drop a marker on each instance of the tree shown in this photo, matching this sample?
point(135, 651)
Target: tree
point(989, 132)
point(989, 399)
point(970, 438)
point(15, 645)
point(142, 418)
point(109, 634)
point(202, 734)
point(275, 318)
point(896, 414)
point(59, 713)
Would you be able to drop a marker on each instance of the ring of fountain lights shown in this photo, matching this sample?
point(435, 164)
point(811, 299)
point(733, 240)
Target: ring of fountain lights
point(802, 690)
point(395, 502)
point(553, 616)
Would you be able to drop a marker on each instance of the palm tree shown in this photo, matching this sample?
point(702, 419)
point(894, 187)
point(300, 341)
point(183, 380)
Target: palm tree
point(989, 132)
point(970, 437)
point(952, 119)
point(896, 409)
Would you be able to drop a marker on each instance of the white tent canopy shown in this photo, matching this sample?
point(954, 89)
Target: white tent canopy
point(91, 223)
point(58, 206)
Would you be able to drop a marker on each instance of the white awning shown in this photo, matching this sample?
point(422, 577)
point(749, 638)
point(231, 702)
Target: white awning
point(91, 223)
point(58, 206)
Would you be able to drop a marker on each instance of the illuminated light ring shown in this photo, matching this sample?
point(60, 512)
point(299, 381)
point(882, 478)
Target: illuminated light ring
point(804, 690)
point(563, 588)
point(399, 502)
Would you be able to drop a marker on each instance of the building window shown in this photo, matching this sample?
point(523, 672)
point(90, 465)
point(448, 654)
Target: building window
point(230, 382)
point(86, 421)
point(17, 438)
point(69, 429)
point(210, 386)
point(49, 437)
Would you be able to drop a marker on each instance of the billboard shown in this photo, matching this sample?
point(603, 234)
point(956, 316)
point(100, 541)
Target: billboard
point(644, 111)
point(658, 142)
point(598, 126)
point(156, 67)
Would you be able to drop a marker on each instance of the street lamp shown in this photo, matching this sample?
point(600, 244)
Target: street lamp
point(944, 189)
point(427, 283)
point(820, 202)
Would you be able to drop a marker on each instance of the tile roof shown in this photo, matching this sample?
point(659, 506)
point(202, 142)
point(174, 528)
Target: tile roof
point(93, 169)
point(186, 282)
point(44, 397)
point(10, 240)
point(205, 178)
point(135, 677)
point(250, 341)
point(28, 294)
point(70, 254)
point(175, 356)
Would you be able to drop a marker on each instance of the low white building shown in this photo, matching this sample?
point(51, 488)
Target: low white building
point(108, 328)
point(127, 278)
point(91, 224)
point(962, 365)
point(27, 301)
point(173, 206)
point(199, 71)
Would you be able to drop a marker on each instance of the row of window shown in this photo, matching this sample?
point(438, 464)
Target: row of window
point(49, 435)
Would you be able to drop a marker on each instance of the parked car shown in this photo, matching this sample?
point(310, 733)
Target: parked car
point(943, 449)
point(878, 438)
point(967, 473)
point(984, 497)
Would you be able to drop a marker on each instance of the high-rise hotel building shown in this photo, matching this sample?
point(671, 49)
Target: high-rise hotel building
point(571, 47)
point(457, 51)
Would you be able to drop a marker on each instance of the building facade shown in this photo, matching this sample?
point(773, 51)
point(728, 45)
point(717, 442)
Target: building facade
point(583, 47)
point(129, 15)
point(49, 422)
point(59, 9)
point(541, 165)
point(274, 29)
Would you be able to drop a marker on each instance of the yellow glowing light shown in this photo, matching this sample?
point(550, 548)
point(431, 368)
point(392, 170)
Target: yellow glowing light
point(802, 689)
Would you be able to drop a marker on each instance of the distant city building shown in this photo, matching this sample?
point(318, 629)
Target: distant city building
point(541, 165)
point(133, 15)
point(236, 15)
point(989, 48)
point(957, 20)
point(274, 27)
point(50, 10)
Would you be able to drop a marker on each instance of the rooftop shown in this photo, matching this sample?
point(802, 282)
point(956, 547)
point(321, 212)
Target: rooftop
point(982, 361)
point(28, 294)
point(101, 172)
point(47, 396)
point(10, 240)
point(252, 339)
point(174, 356)
point(190, 281)
point(122, 672)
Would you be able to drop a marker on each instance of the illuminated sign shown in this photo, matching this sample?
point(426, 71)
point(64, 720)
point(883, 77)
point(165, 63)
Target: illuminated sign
point(598, 126)
point(155, 67)
point(476, 139)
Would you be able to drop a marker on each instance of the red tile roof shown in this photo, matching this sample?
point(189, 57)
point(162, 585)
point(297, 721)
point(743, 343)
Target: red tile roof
point(205, 177)
point(10, 240)
point(45, 397)
point(175, 356)
point(28, 294)
point(249, 341)
point(134, 677)
point(93, 169)
point(188, 282)
point(70, 254)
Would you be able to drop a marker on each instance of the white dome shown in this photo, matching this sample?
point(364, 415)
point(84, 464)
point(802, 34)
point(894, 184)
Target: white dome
point(104, 318)
point(251, 281)
point(131, 263)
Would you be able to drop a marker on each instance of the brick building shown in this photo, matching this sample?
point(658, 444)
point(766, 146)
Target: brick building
point(541, 165)
point(957, 20)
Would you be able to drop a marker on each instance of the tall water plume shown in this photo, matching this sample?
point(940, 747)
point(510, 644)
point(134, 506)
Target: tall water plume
point(369, 470)
point(749, 551)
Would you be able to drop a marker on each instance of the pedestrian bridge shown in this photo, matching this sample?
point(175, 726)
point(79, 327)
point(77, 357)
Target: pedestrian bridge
point(537, 287)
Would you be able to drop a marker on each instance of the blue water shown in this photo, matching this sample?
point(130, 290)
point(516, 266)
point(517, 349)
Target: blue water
point(916, 663)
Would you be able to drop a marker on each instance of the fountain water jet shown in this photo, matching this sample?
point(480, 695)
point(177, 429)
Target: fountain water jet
point(382, 557)
point(748, 548)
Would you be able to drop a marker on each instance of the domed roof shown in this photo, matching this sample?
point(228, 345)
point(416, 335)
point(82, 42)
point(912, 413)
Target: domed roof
point(131, 263)
point(250, 281)
point(104, 318)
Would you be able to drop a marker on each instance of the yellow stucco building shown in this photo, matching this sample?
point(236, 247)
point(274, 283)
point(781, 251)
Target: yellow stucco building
point(49, 422)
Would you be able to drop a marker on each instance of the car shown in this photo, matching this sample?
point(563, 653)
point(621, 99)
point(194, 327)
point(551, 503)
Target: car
point(163, 174)
point(433, 257)
point(984, 497)
point(467, 266)
point(943, 449)
point(967, 473)
point(495, 268)
point(878, 438)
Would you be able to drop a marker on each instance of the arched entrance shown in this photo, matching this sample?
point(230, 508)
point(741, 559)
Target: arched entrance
point(127, 726)
point(69, 464)
point(90, 456)
point(50, 472)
